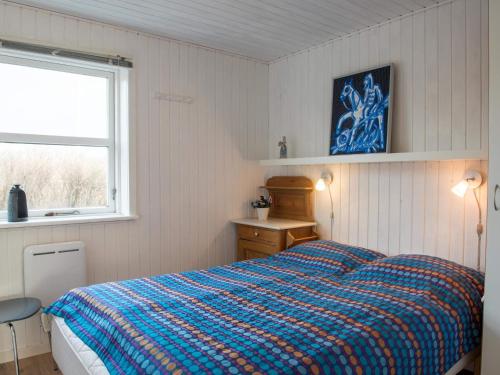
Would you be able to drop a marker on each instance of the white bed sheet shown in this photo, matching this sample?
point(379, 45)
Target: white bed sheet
point(72, 356)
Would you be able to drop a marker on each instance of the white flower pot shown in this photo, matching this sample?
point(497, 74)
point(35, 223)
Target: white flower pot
point(262, 213)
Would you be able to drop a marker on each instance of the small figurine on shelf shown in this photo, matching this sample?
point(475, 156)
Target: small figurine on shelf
point(262, 206)
point(283, 148)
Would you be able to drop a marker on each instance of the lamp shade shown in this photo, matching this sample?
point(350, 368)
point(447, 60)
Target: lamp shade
point(320, 185)
point(472, 180)
point(461, 188)
point(325, 180)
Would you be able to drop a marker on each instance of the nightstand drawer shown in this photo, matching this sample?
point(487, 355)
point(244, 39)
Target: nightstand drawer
point(250, 249)
point(259, 234)
point(249, 254)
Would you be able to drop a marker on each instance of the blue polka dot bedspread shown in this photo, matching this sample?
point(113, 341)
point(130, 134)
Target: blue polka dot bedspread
point(319, 308)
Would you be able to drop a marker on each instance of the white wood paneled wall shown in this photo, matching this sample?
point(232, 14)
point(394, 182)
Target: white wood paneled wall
point(441, 81)
point(400, 208)
point(193, 163)
point(441, 103)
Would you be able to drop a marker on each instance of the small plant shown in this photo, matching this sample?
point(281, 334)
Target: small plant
point(263, 202)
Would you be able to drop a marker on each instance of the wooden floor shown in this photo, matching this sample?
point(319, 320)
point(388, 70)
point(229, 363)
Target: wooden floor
point(39, 365)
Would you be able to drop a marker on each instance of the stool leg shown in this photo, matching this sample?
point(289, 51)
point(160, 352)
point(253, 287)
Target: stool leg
point(14, 347)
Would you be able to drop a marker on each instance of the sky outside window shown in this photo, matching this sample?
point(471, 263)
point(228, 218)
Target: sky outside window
point(49, 102)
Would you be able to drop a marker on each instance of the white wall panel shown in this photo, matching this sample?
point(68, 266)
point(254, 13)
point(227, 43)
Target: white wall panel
point(399, 207)
point(440, 90)
point(440, 103)
point(195, 164)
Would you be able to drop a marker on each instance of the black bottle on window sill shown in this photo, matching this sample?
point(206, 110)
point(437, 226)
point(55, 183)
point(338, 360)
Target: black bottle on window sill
point(17, 208)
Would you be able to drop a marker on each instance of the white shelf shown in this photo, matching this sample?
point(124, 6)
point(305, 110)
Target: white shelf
point(380, 158)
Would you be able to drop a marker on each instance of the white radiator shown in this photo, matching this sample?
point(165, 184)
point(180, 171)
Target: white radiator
point(53, 269)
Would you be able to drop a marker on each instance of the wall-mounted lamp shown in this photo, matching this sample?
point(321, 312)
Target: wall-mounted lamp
point(472, 180)
point(323, 182)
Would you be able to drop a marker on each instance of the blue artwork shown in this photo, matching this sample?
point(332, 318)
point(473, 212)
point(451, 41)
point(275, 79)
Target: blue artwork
point(361, 112)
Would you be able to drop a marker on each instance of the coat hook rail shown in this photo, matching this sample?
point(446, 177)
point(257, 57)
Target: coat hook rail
point(173, 97)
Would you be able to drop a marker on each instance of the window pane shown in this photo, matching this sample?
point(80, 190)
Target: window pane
point(55, 176)
point(49, 102)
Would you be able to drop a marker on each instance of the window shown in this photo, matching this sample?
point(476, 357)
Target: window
point(61, 134)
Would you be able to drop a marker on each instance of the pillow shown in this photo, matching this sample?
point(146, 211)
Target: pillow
point(328, 256)
point(421, 274)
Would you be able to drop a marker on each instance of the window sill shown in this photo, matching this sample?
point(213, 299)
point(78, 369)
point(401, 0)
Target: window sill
point(79, 219)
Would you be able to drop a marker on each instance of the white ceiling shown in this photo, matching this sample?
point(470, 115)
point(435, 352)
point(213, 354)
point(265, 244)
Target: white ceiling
point(261, 29)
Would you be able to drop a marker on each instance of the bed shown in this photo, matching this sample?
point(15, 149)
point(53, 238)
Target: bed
point(321, 307)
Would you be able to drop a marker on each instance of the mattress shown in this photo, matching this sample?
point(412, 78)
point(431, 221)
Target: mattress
point(71, 354)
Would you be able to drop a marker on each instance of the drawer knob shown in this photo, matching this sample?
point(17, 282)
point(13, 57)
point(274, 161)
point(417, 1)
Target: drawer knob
point(256, 234)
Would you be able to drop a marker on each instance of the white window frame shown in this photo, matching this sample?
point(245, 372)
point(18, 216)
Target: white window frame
point(117, 141)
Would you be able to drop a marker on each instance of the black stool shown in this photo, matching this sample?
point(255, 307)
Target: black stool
point(16, 309)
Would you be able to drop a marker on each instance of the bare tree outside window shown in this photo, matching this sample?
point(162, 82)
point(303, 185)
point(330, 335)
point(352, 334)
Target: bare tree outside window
point(54, 176)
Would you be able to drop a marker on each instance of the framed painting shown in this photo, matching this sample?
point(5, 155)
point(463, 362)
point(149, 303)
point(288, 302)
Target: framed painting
point(361, 112)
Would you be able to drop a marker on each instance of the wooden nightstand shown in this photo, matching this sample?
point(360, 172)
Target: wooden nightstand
point(260, 239)
point(290, 220)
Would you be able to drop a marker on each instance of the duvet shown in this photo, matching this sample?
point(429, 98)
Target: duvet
point(322, 307)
